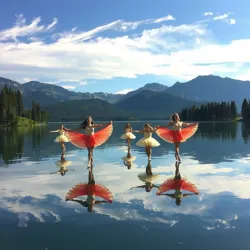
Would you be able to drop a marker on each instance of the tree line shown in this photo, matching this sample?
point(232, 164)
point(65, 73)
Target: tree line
point(210, 112)
point(11, 107)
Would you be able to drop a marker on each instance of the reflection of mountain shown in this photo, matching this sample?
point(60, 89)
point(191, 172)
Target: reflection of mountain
point(11, 144)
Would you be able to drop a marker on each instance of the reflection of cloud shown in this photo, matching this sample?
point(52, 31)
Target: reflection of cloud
point(23, 218)
point(36, 184)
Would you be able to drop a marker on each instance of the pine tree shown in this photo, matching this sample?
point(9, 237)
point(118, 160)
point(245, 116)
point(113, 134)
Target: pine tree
point(244, 109)
point(19, 103)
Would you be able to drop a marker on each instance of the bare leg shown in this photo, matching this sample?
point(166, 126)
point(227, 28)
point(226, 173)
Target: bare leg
point(177, 155)
point(128, 141)
point(148, 152)
point(89, 157)
point(63, 148)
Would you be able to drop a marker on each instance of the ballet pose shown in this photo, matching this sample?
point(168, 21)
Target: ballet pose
point(147, 141)
point(62, 164)
point(90, 139)
point(178, 184)
point(91, 190)
point(62, 138)
point(128, 135)
point(128, 160)
point(148, 178)
point(177, 135)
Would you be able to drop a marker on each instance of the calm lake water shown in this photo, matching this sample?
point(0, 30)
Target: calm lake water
point(34, 214)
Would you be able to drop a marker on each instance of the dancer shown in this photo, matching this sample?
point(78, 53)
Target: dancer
point(62, 164)
point(61, 138)
point(177, 135)
point(128, 135)
point(147, 141)
point(90, 139)
point(128, 160)
point(178, 184)
point(90, 189)
point(148, 178)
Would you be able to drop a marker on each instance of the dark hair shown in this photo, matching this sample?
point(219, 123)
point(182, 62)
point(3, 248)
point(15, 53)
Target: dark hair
point(172, 117)
point(148, 125)
point(178, 202)
point(128, 126)
point(85, 122)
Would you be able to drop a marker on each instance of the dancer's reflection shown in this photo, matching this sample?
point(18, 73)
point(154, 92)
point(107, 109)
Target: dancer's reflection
point(63, 164)
point(178, 184)
point(128, 135)
point(62, 138)
point(148, 178)
point(91, 190)
point(128, 159)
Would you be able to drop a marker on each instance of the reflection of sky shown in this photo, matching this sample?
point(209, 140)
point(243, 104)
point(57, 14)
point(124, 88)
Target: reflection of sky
point(29, 194)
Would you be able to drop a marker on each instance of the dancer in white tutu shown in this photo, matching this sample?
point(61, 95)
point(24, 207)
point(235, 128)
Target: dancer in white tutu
point(62, 138)
point(147, 141)
point(63, 164)
point(128, 135)
point(128, 159)
point(148, 178)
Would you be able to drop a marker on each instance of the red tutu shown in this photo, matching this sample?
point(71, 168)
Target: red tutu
point(90, 189)
point(172, 136)
point(180, 184)
point(90, 141)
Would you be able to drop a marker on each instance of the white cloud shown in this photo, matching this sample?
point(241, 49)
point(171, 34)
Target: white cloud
point(83, 83)
point(221, 17)
point(124, 91)
point(69, 86)
point(208, 13)
point(232, 21)
point(225, 18)
point(21, 29)
point(80, 57)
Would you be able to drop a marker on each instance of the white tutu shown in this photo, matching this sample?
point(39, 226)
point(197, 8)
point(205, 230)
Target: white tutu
point(131, 159)
point(63, 164)
point(61, 138)
point(148, 142)
point(147, 178)
point(128, 135)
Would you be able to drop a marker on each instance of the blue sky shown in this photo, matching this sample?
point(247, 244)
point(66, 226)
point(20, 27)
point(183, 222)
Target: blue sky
point(115, 46)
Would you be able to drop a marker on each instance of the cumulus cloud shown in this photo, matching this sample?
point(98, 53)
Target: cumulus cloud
point(208, 13)
point(124, 91)
point(84, 56)
point(225, 18)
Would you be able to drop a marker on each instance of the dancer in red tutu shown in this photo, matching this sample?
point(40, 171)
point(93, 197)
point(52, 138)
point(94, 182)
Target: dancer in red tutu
point(90, 139)
point(177, 135)
point(91, 190)
point(178, 184)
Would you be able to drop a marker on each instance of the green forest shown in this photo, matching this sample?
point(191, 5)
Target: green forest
point(210, 111)
point(12, 110)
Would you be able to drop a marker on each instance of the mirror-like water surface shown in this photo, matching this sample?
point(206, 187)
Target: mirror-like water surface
point(35, 215)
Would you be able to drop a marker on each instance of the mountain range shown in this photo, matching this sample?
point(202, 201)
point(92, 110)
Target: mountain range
point(153, 101)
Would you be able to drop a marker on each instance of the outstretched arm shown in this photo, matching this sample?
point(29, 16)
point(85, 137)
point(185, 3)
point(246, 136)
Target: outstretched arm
point(185, 124)
point(143, 186)
point(139, 131)
point(54, 131)
point(101, 124)
point(169, 195)
point(166, 126)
